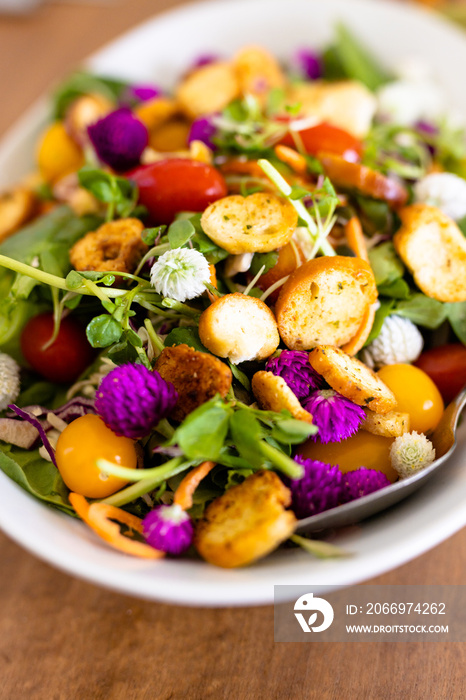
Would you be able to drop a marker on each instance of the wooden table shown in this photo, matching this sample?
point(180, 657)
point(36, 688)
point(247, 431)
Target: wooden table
point(61, 639)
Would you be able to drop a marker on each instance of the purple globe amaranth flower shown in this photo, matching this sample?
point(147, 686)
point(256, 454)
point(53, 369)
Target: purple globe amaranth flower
point(294, 367)
point(336, 416)
point(203, 129)
point(142, 93)
point(204, 59)
point(362, 482)
point(318, 489)
point(132, 399)
point(168, 529)
point(308, 63)
point(119, 139)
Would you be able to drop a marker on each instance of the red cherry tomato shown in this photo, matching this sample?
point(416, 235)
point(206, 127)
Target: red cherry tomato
point(66, 358)
point(177, 184)
point(325, 138)
point(446, 366)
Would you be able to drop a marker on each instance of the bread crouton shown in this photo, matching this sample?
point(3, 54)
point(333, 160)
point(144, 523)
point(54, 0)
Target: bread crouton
point(434, 250)
point(392, 424)
point(116, 246)
point(347, 104)
point(248, 522)
point(324, 302)
point(258, 223)
point(274, 394)
point(17, 206)
point(196, 376)
point(208, 89)
point(257, 72)
point(240, 328)
point(352, 378)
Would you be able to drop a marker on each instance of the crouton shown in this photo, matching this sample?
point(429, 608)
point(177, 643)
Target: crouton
point(364, 180)
point(208, 89)
point(248, 522)
point(17, 206)
point(390, 425)
point(352, 378)
point(434, 250)
point(347, 104)
point(274, 394)
point(257, 72)
point(358, 340)
point(258, 223)
point(324, 302)
point(116, 246)
point(239, 327)
point(196, 376)
point(153, 113)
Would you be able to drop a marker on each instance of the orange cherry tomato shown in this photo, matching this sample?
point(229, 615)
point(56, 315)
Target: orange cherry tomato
point(416, 394)
point(325, 138)
point(80, 445)
point(446, 366)
point(361, 450)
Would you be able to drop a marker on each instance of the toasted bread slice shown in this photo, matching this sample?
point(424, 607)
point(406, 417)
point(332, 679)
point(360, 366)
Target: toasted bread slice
point(391, 424)
point(352, 378)
point(240, 328)
point(434, 250)
point(324, 302)
point(257, 72)
point(274, 394)
point(196, 376)
point(208, 89)
point(246, 523)
point(17, 206)
point(258, 223)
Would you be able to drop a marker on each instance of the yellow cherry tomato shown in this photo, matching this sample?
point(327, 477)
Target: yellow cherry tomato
point(416, 394)
point(58, 155)
point(80, 445)
point(361, 450)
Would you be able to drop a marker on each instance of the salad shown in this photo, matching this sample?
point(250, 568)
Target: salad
point(234, 306)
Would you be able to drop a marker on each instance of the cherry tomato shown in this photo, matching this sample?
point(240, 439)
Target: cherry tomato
point(169, 186)
point(416, 394)
point(66, 358)
point(80, 445)
point(446, 366)
point(325, 138)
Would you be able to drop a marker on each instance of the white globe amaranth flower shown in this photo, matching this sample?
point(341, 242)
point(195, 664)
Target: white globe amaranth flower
point(407, 101)
point(445, 191)
point(9, 380)
point(180, 274)
point(410, 453)
point(399, 340)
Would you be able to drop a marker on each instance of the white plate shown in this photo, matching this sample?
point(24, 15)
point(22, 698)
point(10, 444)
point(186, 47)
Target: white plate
point(160, 50)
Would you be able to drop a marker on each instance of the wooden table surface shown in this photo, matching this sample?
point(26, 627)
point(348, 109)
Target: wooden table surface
point(62, 639)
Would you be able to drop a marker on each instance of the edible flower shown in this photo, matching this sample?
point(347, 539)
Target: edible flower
point(9, 380)
point(308, 63)
point(294, 367)
point(169, 529)
point(336, 416)
point(410, 453)
point(319, 488)
point(362, 482)
point(180, 274)
point(399, 340)
point(119, 139)
point(142, 93)
point(131, 400)
point(203, 129)
point(446, 191)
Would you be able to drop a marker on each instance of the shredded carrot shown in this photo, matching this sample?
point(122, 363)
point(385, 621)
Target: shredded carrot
point(295, 160)
point(100, 517)
point(355, 238)
point(213, 282)
point(184, 492)
point(355, 344)
point(235, 166)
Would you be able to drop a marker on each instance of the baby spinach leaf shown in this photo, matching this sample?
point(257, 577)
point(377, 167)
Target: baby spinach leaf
point(386, 265)
point(422, 310)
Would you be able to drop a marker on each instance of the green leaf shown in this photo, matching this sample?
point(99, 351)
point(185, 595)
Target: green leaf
point(456, 313)
point(188, 336)
point(203, 433)
point(291, 431)
point(356, 61)
point(240, 376)
point(150, 235)
point(319, 548)
point(84, 83)
point(123, 352)
point(398, 289)
point(246, 432)
point(103, 331)
point(266, 260)
point(384, 310)
point(422, 310)
point(208, 248)
point(386, 265)
point(180, 232)
point(41, 393)
point(73, 280)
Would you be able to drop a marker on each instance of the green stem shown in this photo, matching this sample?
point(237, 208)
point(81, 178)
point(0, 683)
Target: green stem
point(280, 460)
point(154, 338)
point(159, 473)
point(165, 429)
point(319, 548)
point(130, 493)
point(157, 250)
point(180, 307)
point(97, 291)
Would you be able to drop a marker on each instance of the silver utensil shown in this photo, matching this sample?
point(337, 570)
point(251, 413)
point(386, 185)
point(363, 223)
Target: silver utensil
point(444, 441)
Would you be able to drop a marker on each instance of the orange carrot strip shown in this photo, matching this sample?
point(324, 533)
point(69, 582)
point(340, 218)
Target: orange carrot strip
point(295, 160)
point(357, 341)
point(213, 282)
point(184, 492)
point(241, 167)
point(99, 517)
point(355, 238)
